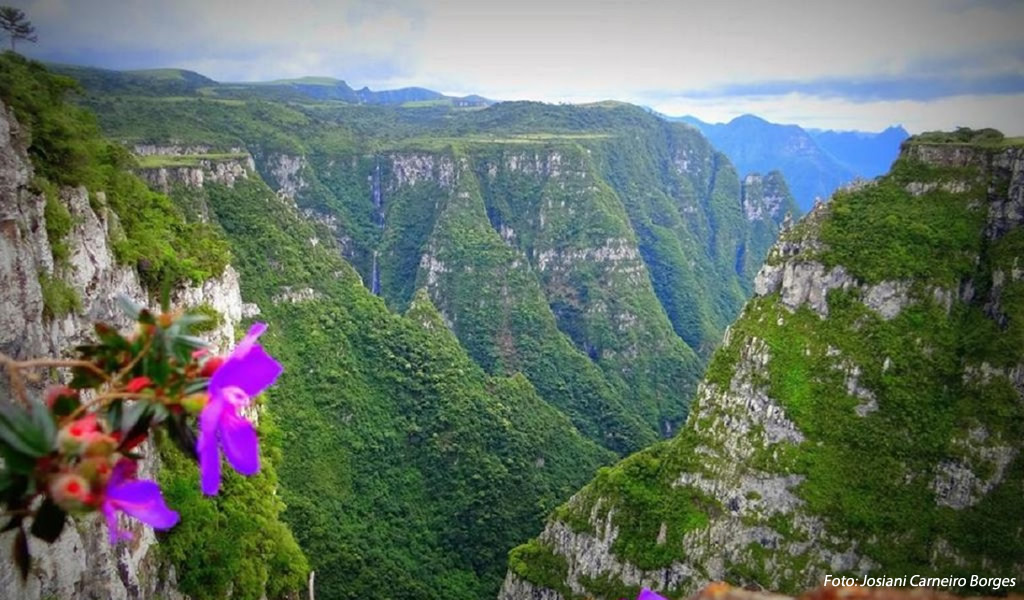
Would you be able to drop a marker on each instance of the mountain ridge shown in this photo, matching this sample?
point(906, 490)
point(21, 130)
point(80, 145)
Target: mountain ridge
point(534, 233)
point(815, 162)
point(174, 80)
point(873, 385)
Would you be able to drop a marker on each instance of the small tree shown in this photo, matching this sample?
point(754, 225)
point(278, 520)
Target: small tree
point(13, 21)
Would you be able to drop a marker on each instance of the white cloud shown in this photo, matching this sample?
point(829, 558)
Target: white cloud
point(554, 49)
point(946, 113)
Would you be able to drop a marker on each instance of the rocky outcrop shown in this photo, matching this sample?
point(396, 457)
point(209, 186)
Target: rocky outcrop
point(81, 563)
point(295, 296)
point(832, 433)
point(225, 172)
point(409, 168)
point(193, 166)
point(764, 196)
point(285, 174)
point(1006, 207)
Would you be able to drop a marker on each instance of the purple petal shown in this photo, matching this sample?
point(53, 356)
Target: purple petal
point(647, 594)
point(240, 443)
point(243, 346)
point(209, 464)
point(209, 420)
point(123, 471)
point(252, 372)
point(206, 445)
point(142, 500)
point(108, 512)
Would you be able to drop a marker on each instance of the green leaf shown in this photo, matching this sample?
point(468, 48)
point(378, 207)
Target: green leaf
point(182, 435)
point(110, 336)
point(192, 341)
point(82, 378)
point(49, 521)
point(146, 317)
point(129, 306)
point(187, 320)
point(16, 461)
point(197, 385)
point(43, 419)
point(65, 404)
point(12, 486)
point(20, 433)
point(115, 414)
point(133, 413)
point(136, 421)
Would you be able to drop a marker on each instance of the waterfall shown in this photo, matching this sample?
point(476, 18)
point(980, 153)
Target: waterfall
point(376, 195)
point(375, 277)
point(378, 217)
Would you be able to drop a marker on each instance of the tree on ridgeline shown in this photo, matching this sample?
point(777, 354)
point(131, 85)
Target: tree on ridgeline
point(13, 21)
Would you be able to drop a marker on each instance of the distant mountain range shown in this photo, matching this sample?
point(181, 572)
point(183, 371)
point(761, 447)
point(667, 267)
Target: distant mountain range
point(163, 82)
point(814, 162)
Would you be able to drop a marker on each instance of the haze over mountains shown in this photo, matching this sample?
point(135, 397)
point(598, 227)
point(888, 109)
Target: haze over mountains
point(815, 162)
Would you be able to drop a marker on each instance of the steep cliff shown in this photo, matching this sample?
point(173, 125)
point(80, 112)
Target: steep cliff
point(598, 250)
point(863, 415)
point(601, 260)
point(63, 251)
point(81, 561)
point(399, 453)
point(585, 258)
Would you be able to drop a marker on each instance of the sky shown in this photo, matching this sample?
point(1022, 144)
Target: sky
point(856, 64)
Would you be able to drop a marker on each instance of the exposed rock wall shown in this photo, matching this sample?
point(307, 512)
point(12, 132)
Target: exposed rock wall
point(81, 563)
point(224, 169)
point(793, 462)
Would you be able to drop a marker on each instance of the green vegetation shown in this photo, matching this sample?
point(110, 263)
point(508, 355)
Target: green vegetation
point(538, 564)
point(878, 233)
point(67, 149)
point(933, 384)
point(233, 542)
point(962, 135)
point(586, 260)
point(214, 318)
point(59, 298)
point(58, 221)
point(405, 467)
point(153, 161)
point(616, 344)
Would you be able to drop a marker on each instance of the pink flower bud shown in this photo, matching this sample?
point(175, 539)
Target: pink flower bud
point(74, 436)
point(71, 491)
point(211, 365)
point(137, 384)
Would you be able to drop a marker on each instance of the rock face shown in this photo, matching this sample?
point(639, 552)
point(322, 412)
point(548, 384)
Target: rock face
point(623, 264)
point(764, 196)
point(81, 564)
point(223, 168)
point(863, 415)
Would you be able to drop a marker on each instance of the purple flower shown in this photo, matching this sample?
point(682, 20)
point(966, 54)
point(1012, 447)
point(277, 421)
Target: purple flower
point(647, 594)
point(138, 498)
point(246, 372)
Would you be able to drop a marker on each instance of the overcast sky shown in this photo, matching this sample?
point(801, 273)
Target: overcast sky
point(857, 64)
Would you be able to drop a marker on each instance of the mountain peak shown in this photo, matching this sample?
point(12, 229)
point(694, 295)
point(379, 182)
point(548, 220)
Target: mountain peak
point(749, 118)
